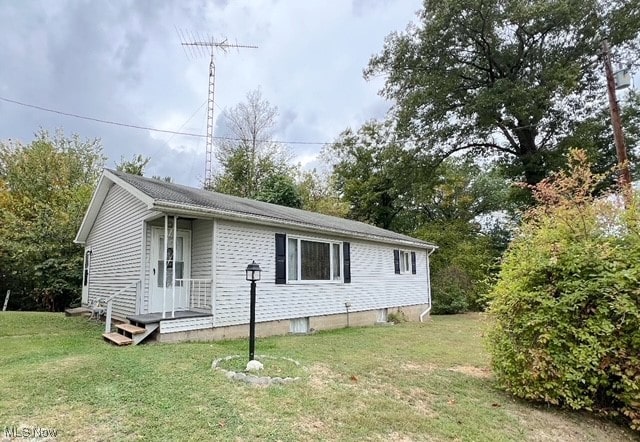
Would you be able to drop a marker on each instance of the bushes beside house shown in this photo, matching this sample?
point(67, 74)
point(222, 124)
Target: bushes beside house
point(565, 312)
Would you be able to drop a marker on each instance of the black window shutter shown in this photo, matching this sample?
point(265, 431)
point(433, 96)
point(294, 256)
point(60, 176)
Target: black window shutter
point(413, 262)
point(346, 256)
point(396, 260)
point(281, 258)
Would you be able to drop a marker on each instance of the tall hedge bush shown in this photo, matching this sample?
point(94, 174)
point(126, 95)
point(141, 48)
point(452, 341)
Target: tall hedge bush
point(565, 313)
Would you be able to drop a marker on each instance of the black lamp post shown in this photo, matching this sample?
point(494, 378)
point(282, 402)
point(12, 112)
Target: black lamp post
point(253, 275)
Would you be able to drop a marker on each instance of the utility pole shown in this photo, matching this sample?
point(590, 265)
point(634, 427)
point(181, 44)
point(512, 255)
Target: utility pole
point(618, 136)
point(198, 47)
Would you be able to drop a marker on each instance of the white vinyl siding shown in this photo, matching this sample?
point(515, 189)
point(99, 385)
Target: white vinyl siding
point(186, 324)
point(201, 252)
point(373, 282)
point(201, 242)
point(116, 244)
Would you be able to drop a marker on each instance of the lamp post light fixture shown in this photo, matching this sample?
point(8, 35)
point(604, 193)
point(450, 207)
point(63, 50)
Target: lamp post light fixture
point(253, 275)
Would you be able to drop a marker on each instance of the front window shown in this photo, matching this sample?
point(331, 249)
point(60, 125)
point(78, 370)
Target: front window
point(313, 260)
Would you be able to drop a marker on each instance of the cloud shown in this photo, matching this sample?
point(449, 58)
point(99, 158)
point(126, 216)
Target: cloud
point(123, 61)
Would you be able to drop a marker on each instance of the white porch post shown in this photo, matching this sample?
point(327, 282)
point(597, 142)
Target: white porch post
point(164, 274)
point(214, 268)
point(175, 253)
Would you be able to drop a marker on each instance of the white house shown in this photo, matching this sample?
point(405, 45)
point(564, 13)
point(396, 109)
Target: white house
point(170, 260)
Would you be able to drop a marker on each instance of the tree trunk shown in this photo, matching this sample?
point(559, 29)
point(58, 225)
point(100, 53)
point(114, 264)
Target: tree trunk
point(530, 157)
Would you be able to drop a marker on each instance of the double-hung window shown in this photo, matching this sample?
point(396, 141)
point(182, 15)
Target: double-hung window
point(405, 265)
point(313, 260)
point(404, 262)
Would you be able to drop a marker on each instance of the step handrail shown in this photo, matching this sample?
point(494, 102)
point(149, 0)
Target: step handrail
point(109, 301)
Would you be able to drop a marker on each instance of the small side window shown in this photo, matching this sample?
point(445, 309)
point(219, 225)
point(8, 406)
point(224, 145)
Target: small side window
point(87, 266)
point(404, 262)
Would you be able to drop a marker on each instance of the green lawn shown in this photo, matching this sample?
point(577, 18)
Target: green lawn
point(408, 382)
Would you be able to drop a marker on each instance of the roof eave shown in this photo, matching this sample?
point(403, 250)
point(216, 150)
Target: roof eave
point(192, 210)
point(146, 199)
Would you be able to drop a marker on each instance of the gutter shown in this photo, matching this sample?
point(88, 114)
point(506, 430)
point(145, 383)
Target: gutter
point(422, 315)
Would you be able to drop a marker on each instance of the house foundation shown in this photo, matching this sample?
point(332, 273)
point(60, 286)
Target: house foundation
point(284, 326)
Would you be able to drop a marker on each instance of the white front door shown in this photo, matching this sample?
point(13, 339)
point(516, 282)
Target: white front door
point(159, 298)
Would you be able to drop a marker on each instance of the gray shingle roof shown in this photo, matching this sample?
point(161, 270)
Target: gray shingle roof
point(164, 193)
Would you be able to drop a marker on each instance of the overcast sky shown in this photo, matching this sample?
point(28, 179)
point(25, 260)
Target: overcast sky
point(122, 61)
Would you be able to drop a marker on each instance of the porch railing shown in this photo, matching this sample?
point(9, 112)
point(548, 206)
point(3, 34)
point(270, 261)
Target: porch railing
point(110, 300)
point(194, 294)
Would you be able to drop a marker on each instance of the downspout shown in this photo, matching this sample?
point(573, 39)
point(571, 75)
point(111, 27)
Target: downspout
point(428, 287)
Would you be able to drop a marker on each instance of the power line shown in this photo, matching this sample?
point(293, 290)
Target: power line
point(153, 129)
point(186, 122)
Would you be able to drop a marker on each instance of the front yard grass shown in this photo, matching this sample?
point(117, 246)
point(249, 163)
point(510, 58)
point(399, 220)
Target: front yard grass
point(427, 381)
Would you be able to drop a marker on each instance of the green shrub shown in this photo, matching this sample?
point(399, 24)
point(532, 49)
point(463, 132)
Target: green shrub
point(449, 289)
point(461, 267)
point(397, 317)
point(565, 312)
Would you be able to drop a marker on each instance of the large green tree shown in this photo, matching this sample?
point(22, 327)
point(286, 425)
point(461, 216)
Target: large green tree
point(45, 187)
point(502, 77)
point(248, 157)
point(282, 190)
point(373, 173)
point(318, 194)
point(134, 166)
point(449, 203)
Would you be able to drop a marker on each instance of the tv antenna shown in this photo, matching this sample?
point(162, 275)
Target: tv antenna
point(196, 47)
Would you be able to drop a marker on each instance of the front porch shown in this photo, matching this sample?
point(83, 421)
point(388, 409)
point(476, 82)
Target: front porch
point(178, 268)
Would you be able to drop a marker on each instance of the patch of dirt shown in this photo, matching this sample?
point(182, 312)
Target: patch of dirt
point(415, 398)
point(321, 375)
point(422, 368)
point(66, 364)
point(398, 437)
point(554, 425)
point(310, 425)
point(475, 372)
point(421, 402)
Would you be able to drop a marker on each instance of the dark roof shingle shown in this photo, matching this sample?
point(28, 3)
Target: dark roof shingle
point(171, 193)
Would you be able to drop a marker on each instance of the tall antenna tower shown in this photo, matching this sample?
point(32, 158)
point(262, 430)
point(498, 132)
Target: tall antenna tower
point(196, 47)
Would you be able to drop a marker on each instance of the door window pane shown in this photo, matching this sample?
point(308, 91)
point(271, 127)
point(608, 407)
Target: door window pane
point(179, 261)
